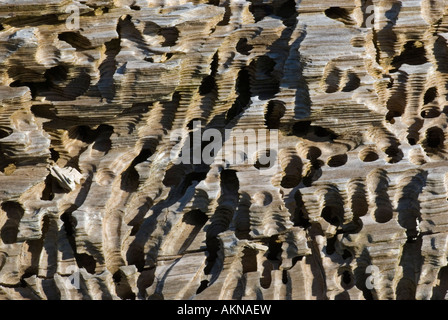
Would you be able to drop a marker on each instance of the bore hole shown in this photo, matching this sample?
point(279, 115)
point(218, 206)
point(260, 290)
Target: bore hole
point(323, 132)
point(4, 132)
point(430, 95)
point(394, 153)
point(331, 215)
point(332, 80)
point(195, 218)
point(346, 279)
point(290, 181)
point(439, 291)
point(300, 217)
point(266, 83)
point(122, 287)
point(296, 259)
point(275, 111)
point(353, 82)
point(330, 248)
point(56, 74)
point(266, 278)
point(54, 155)
point(213, 246)
point(285, 277)
point(287, 11)
point(249, 260)
point(301, 128)
point(171, 35)
point(358, 201)
point(207, 85)
point(260, 10)
point(431, 112)
point(243, 47)
point(275, 248)
point(339, 14)
point(176, 175)
point(434, 138)
point(202, 286)
point(117, 277)
point(265, 65)
point(194, 123)
point(14, 212)
point(413, 53)
point(337, 160)
point(47, 193)
point(86, 261)
point(82, 133)
point(392, 114)
point(390, 84)
point(383, 215)
point(193, 221)
point(346, 254)
point(313, 153)
point(368, 155)
point(75, 39)
point(227, 14)
point(244, 94)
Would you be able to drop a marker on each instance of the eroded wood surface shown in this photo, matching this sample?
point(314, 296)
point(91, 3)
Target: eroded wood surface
point(356, 89)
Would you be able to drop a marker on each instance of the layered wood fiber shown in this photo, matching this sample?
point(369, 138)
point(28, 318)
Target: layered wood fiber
point(356, 209)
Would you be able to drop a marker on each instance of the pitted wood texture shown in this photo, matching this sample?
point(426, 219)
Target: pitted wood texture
point(92, 205)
